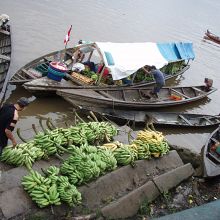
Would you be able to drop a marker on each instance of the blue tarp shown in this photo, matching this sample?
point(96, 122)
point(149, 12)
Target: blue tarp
point(176, 51)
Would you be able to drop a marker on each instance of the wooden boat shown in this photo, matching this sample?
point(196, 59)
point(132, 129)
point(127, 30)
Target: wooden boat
point(47, 87)
point(175, 119)
point(5, 57)
point(212, 37)
point(134, 98)
point(32, 75)
point(211, 159)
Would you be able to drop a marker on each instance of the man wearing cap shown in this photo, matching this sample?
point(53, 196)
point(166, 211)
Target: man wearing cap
point(8, 120)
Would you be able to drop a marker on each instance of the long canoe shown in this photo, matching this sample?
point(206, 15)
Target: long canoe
point(211, 159)
point(36, 69)
point(134, 98)
point(5, 58)
point(175, 119)
point(212, 37)
point(47, 87)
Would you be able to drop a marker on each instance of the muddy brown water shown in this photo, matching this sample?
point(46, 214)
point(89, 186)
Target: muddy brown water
point(39, 27)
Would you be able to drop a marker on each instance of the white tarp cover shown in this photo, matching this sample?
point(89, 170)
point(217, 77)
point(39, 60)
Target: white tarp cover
point(129, 57)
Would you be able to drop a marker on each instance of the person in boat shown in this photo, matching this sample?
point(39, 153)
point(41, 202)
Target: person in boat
point(126, 81)
point(158, 77)
point(79, 54)
point(208, 84)
point(216, 148)
point(9, 114)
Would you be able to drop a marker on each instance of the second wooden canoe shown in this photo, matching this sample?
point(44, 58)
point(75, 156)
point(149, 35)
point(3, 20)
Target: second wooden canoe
point(175, 119)
point(134, 98)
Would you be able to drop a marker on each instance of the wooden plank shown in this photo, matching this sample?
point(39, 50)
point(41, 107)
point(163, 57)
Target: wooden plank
point(179, 93)
point(214, 157)
point(208, 120)
point(183, 90)
point(4, 57)
point(140, 95)
point(184, 119)
point(19, 76)
point(199, 90)
point(47, 59)
point(15, 82)
point(123, 95)
point(4, 32)
point(28, 74)
point(213, 139)
point(106, 95)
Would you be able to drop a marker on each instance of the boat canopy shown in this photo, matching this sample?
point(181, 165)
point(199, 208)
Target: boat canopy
point(123, 59)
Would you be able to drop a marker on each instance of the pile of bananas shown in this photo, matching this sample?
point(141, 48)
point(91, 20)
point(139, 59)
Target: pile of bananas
point(50, 189)
point(152, 141)
point(56, 142)
point(22, 154)
point(41, 189)
point(87, 163)
point(98, 131)
point(51, 142)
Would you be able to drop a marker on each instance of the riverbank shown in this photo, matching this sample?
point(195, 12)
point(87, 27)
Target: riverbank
point(191, 193)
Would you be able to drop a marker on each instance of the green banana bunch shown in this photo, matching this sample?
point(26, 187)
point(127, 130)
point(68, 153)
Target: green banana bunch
point(68, 193)
point(108, 158)
point(143, 149)
point(52, 170)
point(124, 155)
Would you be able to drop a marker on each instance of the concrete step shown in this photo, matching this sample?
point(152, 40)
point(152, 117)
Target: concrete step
point(128, 205)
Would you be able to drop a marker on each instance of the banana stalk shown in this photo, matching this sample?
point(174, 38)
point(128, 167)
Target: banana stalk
point(34, 128)
point(41, 124)
point(19, 135)
point(49, 124)
point(80, 119)
point(93, 116)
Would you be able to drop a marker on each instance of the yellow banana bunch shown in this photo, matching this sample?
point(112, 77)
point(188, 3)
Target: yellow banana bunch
point(151, 137)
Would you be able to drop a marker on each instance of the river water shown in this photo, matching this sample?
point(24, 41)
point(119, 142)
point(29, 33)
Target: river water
point(39, 27)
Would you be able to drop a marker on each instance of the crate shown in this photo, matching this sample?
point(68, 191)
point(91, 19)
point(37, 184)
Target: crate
point(82, 79)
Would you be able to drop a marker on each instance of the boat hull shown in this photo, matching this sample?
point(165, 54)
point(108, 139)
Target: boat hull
point(211, 159)
point(5, 59)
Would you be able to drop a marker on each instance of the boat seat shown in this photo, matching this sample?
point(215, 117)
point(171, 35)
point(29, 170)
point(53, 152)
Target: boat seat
point(184, 119)
point(213, 139)
point(208, 120)
point(5, 57)
point(28, 74)
point(5, 32)
point(47, 59)
point(105, 94)
point(210, 155)
point(180, 93)
point(198, 90)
